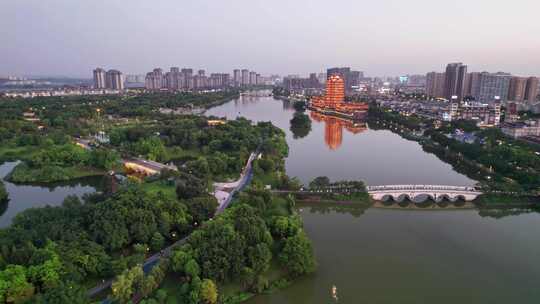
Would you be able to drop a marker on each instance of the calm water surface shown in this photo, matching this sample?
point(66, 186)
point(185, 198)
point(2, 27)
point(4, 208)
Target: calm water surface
point(393, 256)
point(396, 256)
point(378, 157)
point(23, 197)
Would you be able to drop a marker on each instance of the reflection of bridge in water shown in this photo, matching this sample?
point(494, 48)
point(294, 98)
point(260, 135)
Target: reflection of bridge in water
point(458, 205)
point(419, 193)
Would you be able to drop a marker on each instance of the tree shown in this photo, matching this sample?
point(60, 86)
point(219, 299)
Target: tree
point(46, 267)
point(14, 285)
point(208, 293)
point(299, 106)
point(319, 182)
point(219, 250)
point(161, 296)
point(247, 277)
point(148, 285)
point(266, 164)
point(151, 148)
point(297, 255)
point(65, 293)
point(199, 167)
point(104, 158)
point(125, 284)
point(4, 196)
point(259, 258)
point(260, 284)
point(284, 227)
point(179, 259)
point(300, 125)
point(202, 208)
point(157, 242)
point(192, 269)
point(189, 186)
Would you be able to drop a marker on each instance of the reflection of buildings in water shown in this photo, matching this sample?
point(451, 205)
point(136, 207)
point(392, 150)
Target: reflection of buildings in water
point(248, 99)
point(333, 128)
point(287, 105)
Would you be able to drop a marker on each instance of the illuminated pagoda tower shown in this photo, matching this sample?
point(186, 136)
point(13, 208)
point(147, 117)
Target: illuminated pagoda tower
point(333, 102)
point(335, 91)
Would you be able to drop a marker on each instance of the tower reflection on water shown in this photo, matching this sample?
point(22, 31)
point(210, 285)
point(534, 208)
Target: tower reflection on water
point(333, 128)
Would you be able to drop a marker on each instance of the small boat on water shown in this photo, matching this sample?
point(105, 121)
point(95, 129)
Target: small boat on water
point(334, 292)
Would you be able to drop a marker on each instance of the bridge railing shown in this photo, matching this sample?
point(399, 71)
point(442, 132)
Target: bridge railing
point(420, 187)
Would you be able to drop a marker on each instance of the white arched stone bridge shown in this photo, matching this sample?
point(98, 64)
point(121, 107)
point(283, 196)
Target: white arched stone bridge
point(422, 192)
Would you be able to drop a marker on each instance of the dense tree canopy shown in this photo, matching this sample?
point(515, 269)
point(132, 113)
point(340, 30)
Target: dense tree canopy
point(87, 238)
point(242, 242)
point(300, 125)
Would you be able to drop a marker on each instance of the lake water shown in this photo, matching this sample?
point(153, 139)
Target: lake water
point(396, 256)
point(337, 149)
point(23, 197)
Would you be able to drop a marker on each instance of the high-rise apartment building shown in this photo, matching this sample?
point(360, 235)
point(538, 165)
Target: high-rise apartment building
point(252, 78)
point(531, 90)
point(435, 84)
point(237, 77)
point(187, 72)
point(174, 80)
point(188, 78)
point(99, 78)
point(491, 87)
point(354, 79)
point(225, 80)
point(154, 80)
point(472, 81)
point(245, 77)
point(114, 80)
point(455, 81)
point(516, 89)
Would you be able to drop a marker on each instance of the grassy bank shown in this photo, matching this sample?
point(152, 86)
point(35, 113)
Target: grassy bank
point(22, 173)
point(14, 153)
point(164, 187)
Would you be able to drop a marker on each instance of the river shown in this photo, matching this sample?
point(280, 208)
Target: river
point(22, 197)
point(391, 255)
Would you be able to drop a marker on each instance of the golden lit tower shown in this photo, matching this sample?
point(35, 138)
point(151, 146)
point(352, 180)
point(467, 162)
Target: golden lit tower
point(335, 90)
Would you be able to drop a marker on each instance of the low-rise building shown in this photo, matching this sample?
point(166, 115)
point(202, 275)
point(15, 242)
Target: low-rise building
point(146, 167)
point(522, 128)
point(484, 114)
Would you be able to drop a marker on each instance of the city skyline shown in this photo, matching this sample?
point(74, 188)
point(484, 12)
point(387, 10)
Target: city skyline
point(74, 37)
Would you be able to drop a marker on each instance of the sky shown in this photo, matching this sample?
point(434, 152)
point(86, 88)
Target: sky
point(379, 37)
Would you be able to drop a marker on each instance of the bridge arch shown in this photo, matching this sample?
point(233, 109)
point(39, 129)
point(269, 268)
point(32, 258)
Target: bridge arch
point(421, 197)
point(459, 197)
point(388, 198)
point(404, 197)
point(443, 197)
